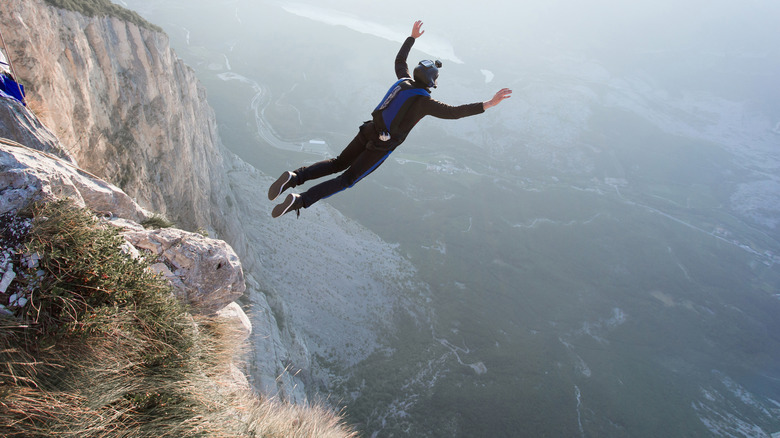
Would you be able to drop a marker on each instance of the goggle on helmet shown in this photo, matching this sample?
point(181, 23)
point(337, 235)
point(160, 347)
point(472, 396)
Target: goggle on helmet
point(427, 72)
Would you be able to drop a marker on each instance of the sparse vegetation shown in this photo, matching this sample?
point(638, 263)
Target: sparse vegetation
point(102, 349)
point(102, 8)
point(157, 221)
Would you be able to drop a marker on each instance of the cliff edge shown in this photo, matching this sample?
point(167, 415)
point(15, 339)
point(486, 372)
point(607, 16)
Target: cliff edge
point(108, 328)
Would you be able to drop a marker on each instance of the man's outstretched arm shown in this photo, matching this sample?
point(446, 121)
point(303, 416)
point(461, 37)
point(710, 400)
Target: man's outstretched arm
point(402, 70)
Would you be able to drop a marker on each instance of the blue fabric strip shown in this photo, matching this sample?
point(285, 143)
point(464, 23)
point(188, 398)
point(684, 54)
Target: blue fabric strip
point(382, 160)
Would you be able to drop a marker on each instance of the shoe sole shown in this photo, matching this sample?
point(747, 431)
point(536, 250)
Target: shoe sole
point(284, 207)
point(278, 186)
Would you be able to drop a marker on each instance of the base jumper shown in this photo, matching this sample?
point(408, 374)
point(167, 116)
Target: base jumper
point(407, 101)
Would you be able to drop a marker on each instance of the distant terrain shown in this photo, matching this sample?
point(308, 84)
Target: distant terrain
point(602, 251)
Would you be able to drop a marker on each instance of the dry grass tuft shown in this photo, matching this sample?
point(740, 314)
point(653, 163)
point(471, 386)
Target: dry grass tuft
point(103, 349)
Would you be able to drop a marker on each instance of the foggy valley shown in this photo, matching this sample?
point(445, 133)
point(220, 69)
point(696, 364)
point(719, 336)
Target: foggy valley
point(597, 256)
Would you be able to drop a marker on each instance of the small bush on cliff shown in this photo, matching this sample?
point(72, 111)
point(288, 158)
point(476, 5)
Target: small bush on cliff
point(157, 221)
point(102, 349)
point(93, 8)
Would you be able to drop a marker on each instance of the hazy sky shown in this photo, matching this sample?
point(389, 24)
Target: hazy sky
point(673, 41)
point(732, 24)
point(432, 45)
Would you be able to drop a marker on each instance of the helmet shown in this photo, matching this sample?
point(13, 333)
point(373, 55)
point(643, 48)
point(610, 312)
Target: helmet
point(427, 72)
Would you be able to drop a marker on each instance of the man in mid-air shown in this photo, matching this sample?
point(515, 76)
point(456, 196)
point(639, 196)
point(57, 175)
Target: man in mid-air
point(407, 101)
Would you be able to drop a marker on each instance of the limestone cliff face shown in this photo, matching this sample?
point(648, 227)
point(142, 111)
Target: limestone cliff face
point(117, 102)
point(122, 103)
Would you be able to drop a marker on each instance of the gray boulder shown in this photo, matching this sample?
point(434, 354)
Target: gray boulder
point(206, 273)
point(29, 175)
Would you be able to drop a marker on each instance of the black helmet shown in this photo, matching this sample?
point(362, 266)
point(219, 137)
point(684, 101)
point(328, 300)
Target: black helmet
point(427, 72)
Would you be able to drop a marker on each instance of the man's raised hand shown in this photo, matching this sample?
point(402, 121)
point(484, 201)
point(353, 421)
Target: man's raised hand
point(417, 29)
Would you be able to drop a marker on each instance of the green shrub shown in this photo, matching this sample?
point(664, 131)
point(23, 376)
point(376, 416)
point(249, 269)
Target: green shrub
point(157, 221)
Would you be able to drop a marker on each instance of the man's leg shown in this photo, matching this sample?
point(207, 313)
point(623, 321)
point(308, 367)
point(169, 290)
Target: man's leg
point(363, 165)
point(334, 165)
point(289, 179)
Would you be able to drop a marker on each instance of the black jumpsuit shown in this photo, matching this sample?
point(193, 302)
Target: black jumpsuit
point(366, 152)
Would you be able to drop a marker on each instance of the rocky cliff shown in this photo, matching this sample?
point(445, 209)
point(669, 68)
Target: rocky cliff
point(120, 344)
point(126, 109)
point(206, 273)
point(120, 103)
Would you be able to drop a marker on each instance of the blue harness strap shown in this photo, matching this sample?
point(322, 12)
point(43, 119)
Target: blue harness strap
point(388, 114)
